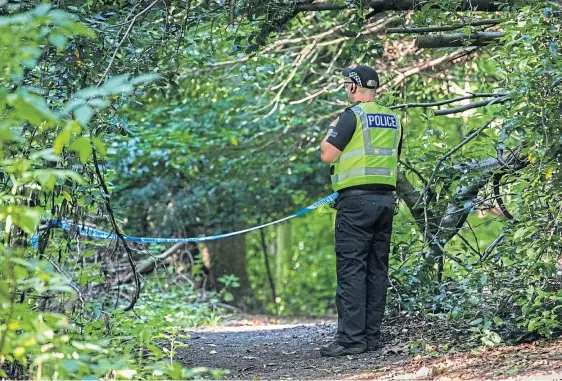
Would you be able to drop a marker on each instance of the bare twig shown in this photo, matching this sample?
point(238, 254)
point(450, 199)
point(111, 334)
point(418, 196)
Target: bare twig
point(118, 232)
point(427, 65)
point(268, 269)
point(499, 199)
point(59, 270)
point(492, 246)
point(123, 40)
point(411, 168)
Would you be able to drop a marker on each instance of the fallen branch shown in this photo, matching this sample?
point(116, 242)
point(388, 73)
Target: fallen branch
point(449, 154)
point(444, 28)
point(441, 229)
point(149, 266)
point(457, 39)
point(406, 192)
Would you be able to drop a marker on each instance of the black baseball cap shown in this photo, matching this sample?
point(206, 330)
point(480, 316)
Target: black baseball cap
point(362, 76)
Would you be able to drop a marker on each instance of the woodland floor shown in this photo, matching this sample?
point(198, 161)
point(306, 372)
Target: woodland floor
point(260, 348)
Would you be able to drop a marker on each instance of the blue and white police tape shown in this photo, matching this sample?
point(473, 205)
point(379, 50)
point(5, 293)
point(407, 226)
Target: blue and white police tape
point(95, 233)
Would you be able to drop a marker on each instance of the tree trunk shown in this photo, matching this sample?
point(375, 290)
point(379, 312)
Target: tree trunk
point(283, 254)
point(227, 256)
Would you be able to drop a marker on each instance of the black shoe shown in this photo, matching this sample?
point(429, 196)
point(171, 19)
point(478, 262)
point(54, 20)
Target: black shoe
point(374, 345)
point(336, 349)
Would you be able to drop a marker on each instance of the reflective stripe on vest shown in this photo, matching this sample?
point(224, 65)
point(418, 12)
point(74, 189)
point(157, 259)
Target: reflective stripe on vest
point(366, 151)
point(362, 172)
point(371, 156)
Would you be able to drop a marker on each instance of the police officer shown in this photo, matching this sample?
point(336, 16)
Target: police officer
point(362, 146)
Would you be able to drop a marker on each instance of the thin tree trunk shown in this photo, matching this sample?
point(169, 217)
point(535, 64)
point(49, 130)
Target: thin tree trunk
point(283, 252)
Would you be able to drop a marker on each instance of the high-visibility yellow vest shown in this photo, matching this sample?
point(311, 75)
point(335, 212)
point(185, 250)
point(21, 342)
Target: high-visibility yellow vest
point(371, 156)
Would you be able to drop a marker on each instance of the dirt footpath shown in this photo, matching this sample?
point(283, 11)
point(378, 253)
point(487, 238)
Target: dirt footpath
point(258, 348)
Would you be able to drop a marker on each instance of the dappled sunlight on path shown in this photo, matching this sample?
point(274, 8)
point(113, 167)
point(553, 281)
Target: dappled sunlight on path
point(269, 348)
point(540, 360)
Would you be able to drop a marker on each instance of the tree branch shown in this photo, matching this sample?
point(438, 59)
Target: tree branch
point(444, 28)
point(411, 168)
point(470, 106)
point(447, 101)
point(499, 199)
point(457, 39)
point(379, 6)
point(321, 6)
point(232, 10)
point(492, 246)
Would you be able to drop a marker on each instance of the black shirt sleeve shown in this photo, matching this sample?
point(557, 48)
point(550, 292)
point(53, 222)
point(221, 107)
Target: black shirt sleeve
point(400, 142)
point(340, 134)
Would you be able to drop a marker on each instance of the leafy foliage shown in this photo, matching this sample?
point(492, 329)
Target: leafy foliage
point(222, 133)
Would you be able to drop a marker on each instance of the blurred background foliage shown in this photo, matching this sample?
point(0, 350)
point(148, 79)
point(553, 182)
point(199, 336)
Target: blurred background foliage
point(181, 119)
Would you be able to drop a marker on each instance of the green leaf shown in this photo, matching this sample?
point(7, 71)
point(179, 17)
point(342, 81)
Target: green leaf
point(71, 366)
point(6, 134)
point(83, 114)
point(24, 217)
point(63, 138)
point(228, 297)
point(100, 146)
point(44, 175)
point(31, 108)
point(47, 180)
point(83, 147)
point(42, 9)
point(476, 321)
point(116, 85)
point(98, 103)
point(144, 79)
point(45, 154)
point(87, 93)
point(58, 40)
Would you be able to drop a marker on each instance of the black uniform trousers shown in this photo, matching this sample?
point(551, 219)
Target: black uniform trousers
point(363, 231)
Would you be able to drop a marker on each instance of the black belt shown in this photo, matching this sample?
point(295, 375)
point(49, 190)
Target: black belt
point(360, 192)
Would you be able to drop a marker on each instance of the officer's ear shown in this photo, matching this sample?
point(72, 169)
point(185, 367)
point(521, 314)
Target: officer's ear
point(353, 88)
